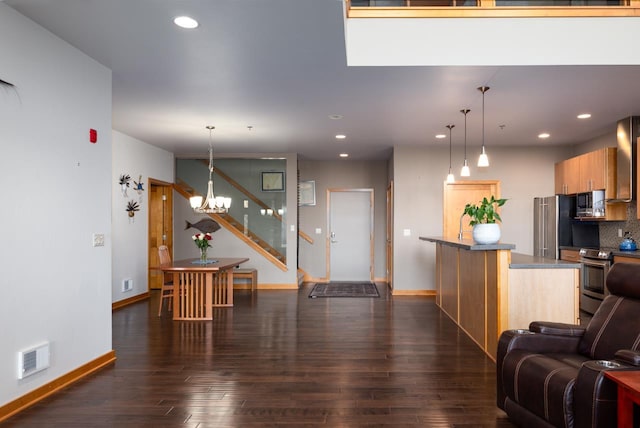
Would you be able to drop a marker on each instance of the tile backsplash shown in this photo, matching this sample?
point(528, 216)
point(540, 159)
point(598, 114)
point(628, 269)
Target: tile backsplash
point(609, 229)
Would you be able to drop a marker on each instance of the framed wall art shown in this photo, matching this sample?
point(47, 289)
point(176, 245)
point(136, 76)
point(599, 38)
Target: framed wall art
point(307, 193)
point(273, 181)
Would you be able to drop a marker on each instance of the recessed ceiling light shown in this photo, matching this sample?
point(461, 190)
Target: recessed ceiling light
point(185, 22)
point(344, 155)
point(584, 116)
point(544, 135)
point(340, 137)
point(441, 136)
point(335, 116)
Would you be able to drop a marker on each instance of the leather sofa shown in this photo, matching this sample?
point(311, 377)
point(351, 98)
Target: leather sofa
point(552, 374)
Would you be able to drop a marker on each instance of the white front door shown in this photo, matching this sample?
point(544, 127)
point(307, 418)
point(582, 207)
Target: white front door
point(350, 235)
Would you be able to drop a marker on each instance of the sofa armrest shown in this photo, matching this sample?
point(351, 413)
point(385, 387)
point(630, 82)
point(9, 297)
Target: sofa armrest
point(530, 341)
point(557, 329)
point(628, 356)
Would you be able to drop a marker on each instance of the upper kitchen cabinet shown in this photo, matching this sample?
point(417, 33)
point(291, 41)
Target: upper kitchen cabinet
point(590, 171)
point(598, 171)
point(567, 175)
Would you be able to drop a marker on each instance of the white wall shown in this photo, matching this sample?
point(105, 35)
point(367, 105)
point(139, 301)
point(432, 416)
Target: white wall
point(130, 237)
point(419, 174)
point(482, 41)
point(56, 188)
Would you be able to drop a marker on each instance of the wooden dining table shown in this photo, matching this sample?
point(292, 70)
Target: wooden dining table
point(198, 288)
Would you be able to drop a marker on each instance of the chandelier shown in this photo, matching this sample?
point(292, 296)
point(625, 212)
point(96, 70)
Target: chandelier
point(211, 204)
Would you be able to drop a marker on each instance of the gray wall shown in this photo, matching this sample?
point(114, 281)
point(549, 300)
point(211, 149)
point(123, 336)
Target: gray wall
point(340, 174)
point(419, 175)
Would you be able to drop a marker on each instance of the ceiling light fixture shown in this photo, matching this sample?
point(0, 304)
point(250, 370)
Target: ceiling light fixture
point(544, 135)
point(465, 172)
point(212, 204)
point(441, 136)
point(483, 160)
point(340, 137)
point(344, 155)
point(450, 176)
point(584, 116)
point(185, 22)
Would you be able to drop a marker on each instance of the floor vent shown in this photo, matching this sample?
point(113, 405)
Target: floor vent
point(33, 360)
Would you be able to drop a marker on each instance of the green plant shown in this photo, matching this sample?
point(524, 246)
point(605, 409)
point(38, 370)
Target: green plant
point(485, 211)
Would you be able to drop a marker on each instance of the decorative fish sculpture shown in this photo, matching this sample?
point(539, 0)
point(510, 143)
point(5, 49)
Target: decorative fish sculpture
point(206, 225)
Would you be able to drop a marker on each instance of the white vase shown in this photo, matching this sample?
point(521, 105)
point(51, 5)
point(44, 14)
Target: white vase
point(486, 233)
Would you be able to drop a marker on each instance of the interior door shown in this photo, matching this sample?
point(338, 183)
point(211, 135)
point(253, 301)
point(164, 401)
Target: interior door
point(160, 226)
point(459, 194)
point(350, 242)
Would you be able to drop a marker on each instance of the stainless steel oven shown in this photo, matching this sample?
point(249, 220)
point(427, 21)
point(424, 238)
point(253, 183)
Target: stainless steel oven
point(595, 267)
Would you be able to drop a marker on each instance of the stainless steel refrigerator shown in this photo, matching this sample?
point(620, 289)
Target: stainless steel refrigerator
point(552, 224)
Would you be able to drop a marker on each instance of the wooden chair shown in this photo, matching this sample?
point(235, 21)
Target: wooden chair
point(166, 292)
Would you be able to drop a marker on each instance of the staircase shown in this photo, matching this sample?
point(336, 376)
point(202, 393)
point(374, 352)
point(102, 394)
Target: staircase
point(237, 228)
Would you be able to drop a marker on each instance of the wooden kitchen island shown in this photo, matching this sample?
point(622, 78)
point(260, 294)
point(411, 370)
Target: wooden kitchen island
point(487, 289)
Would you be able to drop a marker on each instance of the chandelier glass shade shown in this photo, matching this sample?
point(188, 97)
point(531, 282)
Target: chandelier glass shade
point(450, 177)
point(210, 204)
point(483, 160)
point(465, 172)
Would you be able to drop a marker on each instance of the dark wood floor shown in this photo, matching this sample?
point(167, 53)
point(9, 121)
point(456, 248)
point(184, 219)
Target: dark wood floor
point(279, 358)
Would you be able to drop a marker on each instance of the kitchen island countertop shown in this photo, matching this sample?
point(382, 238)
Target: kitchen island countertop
point(467, 244)
point(525, 261)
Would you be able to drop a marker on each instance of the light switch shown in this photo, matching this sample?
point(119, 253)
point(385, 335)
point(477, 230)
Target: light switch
point(246, 203)
point(318, 231)
point(406, 232)
point(292, 227)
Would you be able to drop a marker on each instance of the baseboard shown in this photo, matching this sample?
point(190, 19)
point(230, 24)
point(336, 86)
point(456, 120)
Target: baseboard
point(131, 300)
point(55, 385)
point(262, 286)
point(426, 293)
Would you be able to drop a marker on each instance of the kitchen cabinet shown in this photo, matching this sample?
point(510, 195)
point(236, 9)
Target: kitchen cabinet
point(594, 167)
point(591, 171)
point(566, 176)
point(625, 259)
point(570, 255)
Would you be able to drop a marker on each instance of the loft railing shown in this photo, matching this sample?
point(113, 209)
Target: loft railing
point(490, 8)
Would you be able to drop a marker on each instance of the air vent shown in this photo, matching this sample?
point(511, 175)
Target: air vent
point(33, 360)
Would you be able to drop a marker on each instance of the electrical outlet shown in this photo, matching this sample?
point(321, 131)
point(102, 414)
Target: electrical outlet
point(318, 231)
point(619, 233)
point(98, 240)
point(406, 232)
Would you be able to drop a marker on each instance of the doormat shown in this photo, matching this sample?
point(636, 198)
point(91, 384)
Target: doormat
point(345, 289)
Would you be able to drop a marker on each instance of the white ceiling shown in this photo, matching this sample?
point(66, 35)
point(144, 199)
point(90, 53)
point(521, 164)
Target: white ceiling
point(279, 67)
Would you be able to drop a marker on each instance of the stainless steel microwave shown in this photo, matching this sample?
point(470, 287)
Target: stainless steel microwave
point(590, 204)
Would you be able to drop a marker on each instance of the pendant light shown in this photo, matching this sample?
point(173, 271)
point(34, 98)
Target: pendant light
point(212, 204)
point(450, 177)
point(465, 172)
point(483, 160)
